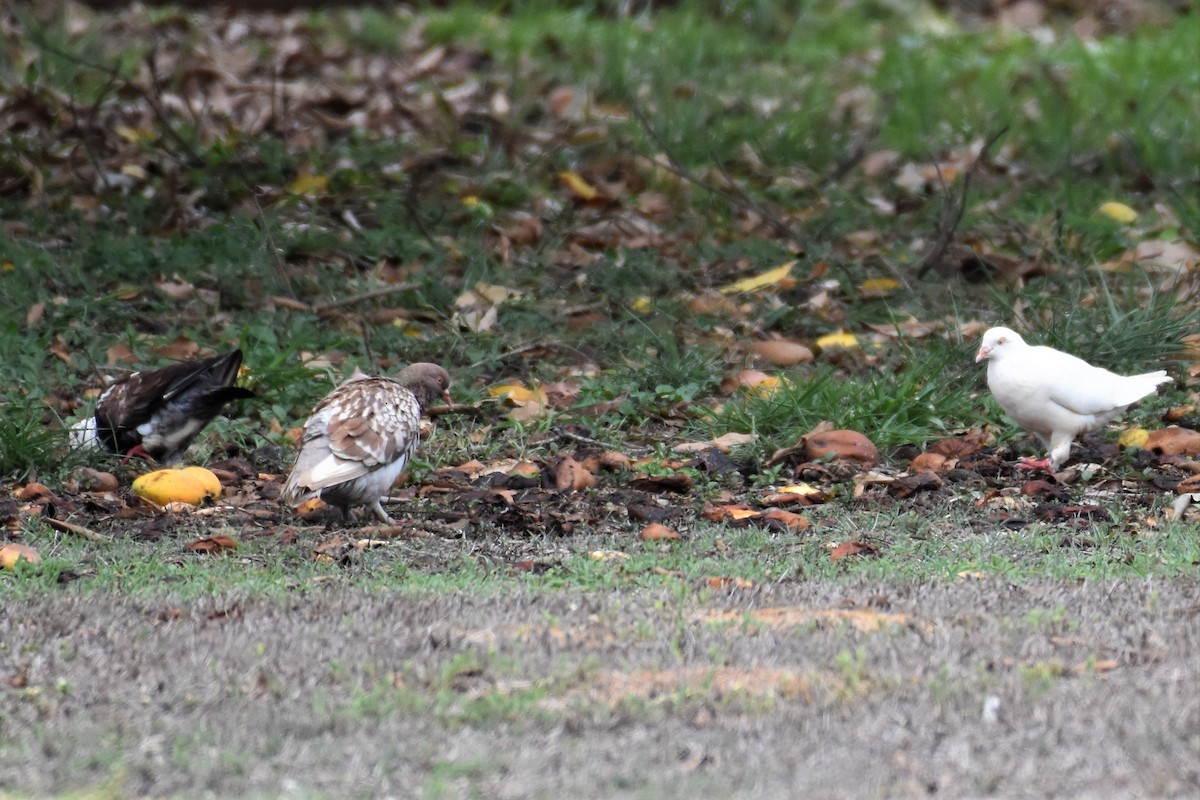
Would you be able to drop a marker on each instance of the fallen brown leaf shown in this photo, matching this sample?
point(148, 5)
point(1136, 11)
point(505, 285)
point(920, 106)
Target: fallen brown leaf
point(657, 532)
point(781, 352)
point(725, 584)
point(846, 549)
point(792, 521)
point(842, 444)
point(909, 485)
point(1175, 441)
point(212, 545)
point(571, 476)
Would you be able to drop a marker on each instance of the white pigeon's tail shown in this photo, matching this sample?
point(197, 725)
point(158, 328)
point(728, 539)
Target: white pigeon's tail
point(1135, 387)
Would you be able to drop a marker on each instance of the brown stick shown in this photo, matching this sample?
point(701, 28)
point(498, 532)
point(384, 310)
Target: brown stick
point(454, 408)
point(371, 295)
point(734, 194)
point(78, 530)
point(953, 210)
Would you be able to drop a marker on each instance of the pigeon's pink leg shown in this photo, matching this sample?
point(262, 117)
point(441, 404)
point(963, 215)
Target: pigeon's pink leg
point(1025, 462)
point(137, 451)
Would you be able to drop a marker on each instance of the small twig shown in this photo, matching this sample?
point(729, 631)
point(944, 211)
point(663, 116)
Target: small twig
point(859, 150)
point(365, 330)
point(276, 259)
point(395, 288)
point(78, 530)
point(454, 408)
point(953, 209)
point(579, 437)
point(734, 194)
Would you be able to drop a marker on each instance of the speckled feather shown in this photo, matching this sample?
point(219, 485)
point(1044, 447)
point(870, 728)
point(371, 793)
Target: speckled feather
point(360, 437)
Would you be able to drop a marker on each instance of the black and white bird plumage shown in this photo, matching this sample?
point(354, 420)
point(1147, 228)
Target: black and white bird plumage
point(360, 437)
point(158, 412)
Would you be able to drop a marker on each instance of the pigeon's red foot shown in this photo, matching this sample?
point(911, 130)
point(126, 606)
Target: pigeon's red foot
point(137, 451)
point(1025, 462)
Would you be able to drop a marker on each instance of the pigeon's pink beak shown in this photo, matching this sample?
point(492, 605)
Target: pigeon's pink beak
point(982, 354)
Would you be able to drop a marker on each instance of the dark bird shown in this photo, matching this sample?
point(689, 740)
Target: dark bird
point(359, 438)
point(156, 413)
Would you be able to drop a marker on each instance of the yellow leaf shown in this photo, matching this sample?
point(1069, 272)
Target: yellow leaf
point(578, 186)
point(878, 287)
point(1134, 437)
point(802, 489)
point(496, 294)
point(407, 327)
point(608, 555)
point(781, 276)
point(517, 394)
point(766, 387)
point(133, 135)
point(641, 305)
point(7, 266)
point(309, 185)
point(1118, 212)
point(833, 341)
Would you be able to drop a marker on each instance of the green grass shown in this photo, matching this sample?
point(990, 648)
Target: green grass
point(758, 101)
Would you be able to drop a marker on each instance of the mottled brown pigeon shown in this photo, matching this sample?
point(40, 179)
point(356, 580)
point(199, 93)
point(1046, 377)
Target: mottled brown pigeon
point(156, 413)
point(359, 438)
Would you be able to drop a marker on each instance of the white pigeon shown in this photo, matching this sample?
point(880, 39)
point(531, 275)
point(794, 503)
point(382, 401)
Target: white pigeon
point(1054, 395)
point(359, 438)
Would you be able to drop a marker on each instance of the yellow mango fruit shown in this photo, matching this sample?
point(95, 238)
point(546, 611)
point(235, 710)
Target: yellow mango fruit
point(191, 485)
point(12, 552)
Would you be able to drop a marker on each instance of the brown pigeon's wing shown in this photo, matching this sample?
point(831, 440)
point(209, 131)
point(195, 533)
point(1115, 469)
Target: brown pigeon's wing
point(358, 427)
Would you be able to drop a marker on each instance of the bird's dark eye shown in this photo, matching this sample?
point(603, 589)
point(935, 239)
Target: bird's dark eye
point(1002, 340)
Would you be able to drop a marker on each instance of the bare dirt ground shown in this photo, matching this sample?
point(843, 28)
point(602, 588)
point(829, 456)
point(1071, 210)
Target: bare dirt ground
point(975, 688)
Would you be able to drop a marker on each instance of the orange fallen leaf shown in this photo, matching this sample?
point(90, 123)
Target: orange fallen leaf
point(735, 512)
point(33, 492)
point(842, 445)
point(724, 584)
point(59, 349)
point(570, 475)
point(846, 549)
point(782, 353)
point(792, 521)
point(213, 544)
point(1173, 440)
point(657, 532)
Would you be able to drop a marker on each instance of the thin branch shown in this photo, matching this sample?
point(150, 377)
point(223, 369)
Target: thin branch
point(734, 195)
point(953, 209)
point(454, 408)
point(374, 294)
point(78, 530)
point(273, 250)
